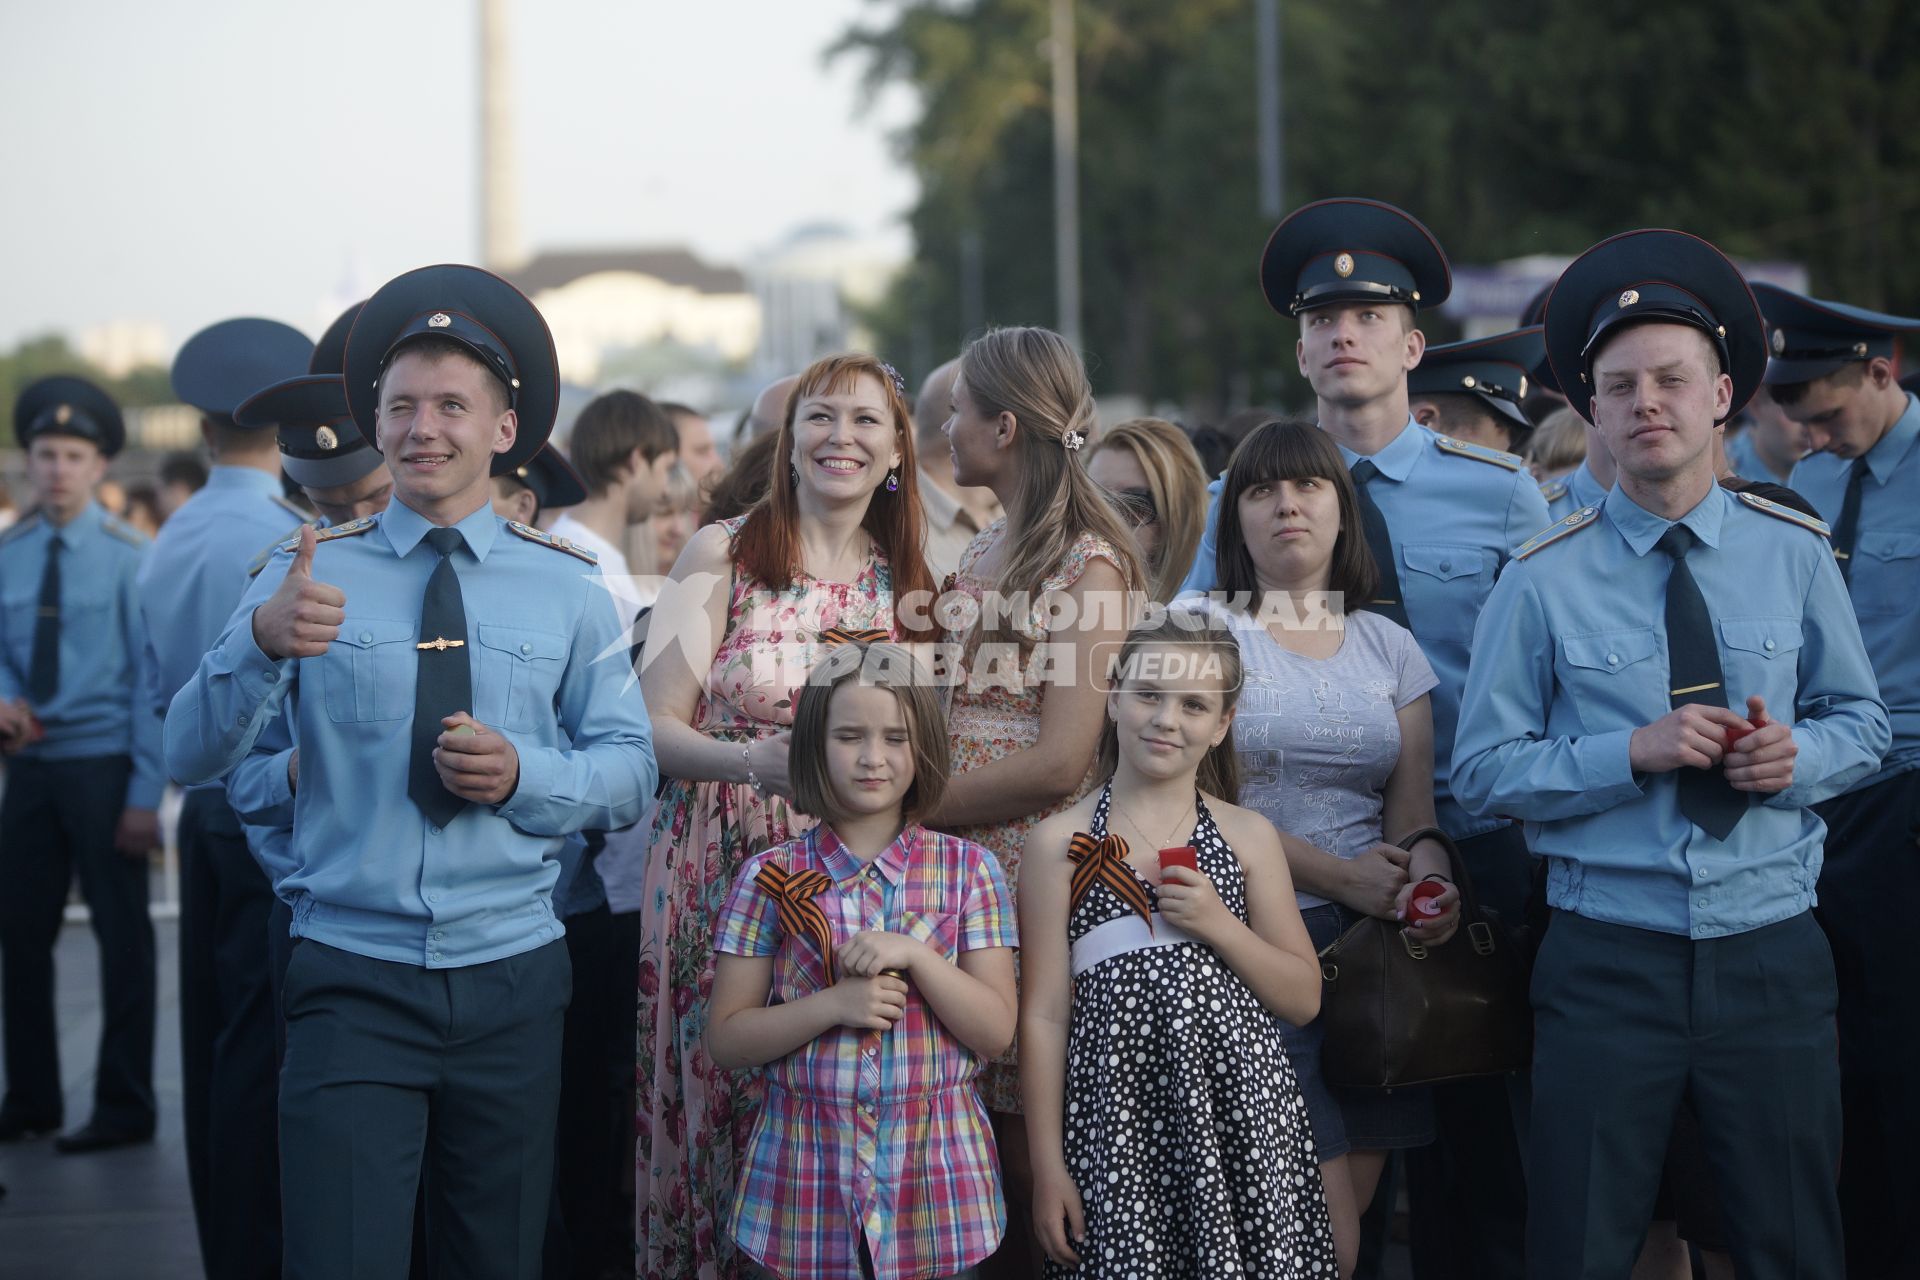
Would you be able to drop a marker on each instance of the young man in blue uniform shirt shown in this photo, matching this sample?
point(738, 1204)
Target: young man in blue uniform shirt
point(455, 722)
point(1442, 516)
point(1617, 665)
point(1833, 372)
point(192, 580)
point(83, 772)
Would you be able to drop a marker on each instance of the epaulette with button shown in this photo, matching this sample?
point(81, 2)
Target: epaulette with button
point(292, 508)
point(1479, 453)
point(546, 539)
point(118, 528)
point(347, 530)
point(1553, 491)
point(259, 562)
point(1788, 514)
point(29, 521)
point(1556, 531)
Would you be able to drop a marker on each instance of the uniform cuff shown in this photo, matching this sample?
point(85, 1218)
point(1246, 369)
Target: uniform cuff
point(258, 677)
point(1606, 765)
point(536, 779)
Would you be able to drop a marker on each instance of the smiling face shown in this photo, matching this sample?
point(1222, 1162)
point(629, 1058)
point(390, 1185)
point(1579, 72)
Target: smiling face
point(844, 442)
point(1169, 708)
point(1658, 394)
point(442, 418)
point(1291, 528)
point(1355, 353)
point(869, 754)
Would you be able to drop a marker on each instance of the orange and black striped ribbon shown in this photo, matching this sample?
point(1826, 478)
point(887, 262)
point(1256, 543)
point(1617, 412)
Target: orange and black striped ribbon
point(1105, 861)
point(840, 635)
point(793, 896)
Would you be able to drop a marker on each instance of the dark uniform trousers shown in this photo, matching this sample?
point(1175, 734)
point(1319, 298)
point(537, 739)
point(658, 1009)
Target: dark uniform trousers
point(1872, 857)
point(227, 1042)
point(1627, 1023)
point(1467, 1191)
point(395, 1073)
point(59, 817)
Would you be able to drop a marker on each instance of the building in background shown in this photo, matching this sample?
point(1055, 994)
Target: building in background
point(812, 288)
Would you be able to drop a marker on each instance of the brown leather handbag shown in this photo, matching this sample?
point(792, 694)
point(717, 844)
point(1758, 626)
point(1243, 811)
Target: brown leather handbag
point(1398, 1012)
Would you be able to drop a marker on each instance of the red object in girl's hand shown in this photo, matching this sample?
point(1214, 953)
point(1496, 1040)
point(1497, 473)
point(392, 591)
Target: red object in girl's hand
point(1421, 905)
point(1184, 855)
point(1738, 732)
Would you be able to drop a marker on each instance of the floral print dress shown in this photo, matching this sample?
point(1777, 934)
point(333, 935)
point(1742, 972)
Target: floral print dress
point(693, 1120)
point(994, 721)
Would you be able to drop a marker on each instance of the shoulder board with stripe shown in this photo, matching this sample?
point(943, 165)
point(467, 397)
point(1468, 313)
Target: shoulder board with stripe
point(347, 530)
point(1788, 514)
point(29, 521)
point(259, 562)
point(292, 508)
point(1478, 452)
point(1557, 530)
point(118, 528)
point(1554, 490)
point(546, 539)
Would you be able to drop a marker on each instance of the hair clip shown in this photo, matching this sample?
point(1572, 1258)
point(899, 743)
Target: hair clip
point(1073, 440)
point(899, 383)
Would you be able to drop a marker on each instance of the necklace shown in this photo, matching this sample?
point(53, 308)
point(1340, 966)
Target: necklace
point(1182, 821)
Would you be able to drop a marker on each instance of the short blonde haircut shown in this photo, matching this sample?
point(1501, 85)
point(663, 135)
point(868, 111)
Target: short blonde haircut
point(882, 666)
point(1560, 444)
point(1178, 485)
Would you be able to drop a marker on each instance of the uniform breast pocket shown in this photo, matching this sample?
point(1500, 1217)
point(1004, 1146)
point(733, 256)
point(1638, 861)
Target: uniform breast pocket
point(518, 676)
point(1615, 677)
point(1886, 572)
point(21, 613)
point(1763, 657)
point(367, 672)
point(1445, 585)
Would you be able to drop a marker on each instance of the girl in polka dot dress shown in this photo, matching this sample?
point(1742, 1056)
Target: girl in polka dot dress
point(1169, 1138)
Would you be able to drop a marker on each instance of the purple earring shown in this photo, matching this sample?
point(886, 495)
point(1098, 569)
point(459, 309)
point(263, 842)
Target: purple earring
point(893, 482)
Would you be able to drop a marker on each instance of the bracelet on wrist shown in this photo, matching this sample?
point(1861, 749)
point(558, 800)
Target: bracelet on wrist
point(1435, 875)
point(753, 779)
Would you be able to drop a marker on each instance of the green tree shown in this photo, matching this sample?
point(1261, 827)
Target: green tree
point(49, 354)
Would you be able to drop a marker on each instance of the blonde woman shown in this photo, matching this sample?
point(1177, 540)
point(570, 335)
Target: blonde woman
point(1150, 469)
point(1026, 722)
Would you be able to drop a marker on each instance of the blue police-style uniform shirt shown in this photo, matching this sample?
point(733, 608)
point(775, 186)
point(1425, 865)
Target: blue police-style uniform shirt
point(1885, 579)
point(197, 570)
point(97, 709)
point(1452, 517)
point(1570, 657)
point(1571, 492)
point(1744, 458)
point(368, 872)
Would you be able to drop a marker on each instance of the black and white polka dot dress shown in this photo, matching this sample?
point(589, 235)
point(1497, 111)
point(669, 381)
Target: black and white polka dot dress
point(1185, 1131)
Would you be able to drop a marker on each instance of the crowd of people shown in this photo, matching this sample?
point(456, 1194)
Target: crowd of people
point(933, 874)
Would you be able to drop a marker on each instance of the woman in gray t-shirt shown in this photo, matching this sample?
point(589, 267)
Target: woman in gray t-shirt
point(1335, 734)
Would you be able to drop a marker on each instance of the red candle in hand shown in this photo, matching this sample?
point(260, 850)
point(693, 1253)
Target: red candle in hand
point(1738, 732)
point(1183, 855)
point(1421, 906)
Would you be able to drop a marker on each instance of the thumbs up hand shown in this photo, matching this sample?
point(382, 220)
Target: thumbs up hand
point(303, 616)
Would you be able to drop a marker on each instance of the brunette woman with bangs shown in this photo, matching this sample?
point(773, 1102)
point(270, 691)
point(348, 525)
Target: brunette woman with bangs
point(751, 605)
point(1335, 735)
point(1026, 731)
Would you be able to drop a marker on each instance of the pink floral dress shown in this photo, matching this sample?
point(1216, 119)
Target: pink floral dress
point(693, 1121)
point(995, 721)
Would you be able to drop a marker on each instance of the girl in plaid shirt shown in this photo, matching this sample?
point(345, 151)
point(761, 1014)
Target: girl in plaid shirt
point(868, 966)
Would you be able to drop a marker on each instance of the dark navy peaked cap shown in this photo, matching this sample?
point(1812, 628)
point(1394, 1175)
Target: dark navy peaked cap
point(319, 445)
point(1652, 275)
point(494, 321)
point(225, 363)
point(1497, 369)
point(1809, 338)
point(1352, 250)
point(330, 353)
point(68, 406)
point(554, 482)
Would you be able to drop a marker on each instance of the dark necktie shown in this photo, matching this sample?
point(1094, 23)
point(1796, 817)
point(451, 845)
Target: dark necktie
point(1387, 601)
point(1707, 799)
point(43, 672)
point(1849, 526)
point(445, 683)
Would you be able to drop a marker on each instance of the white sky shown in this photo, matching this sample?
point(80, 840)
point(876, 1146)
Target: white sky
point(182, 161)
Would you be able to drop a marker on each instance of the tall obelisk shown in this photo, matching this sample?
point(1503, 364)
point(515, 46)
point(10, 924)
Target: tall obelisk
point(500, 245)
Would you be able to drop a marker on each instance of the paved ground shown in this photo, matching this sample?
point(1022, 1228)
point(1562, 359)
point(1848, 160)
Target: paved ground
point(124, 1215)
